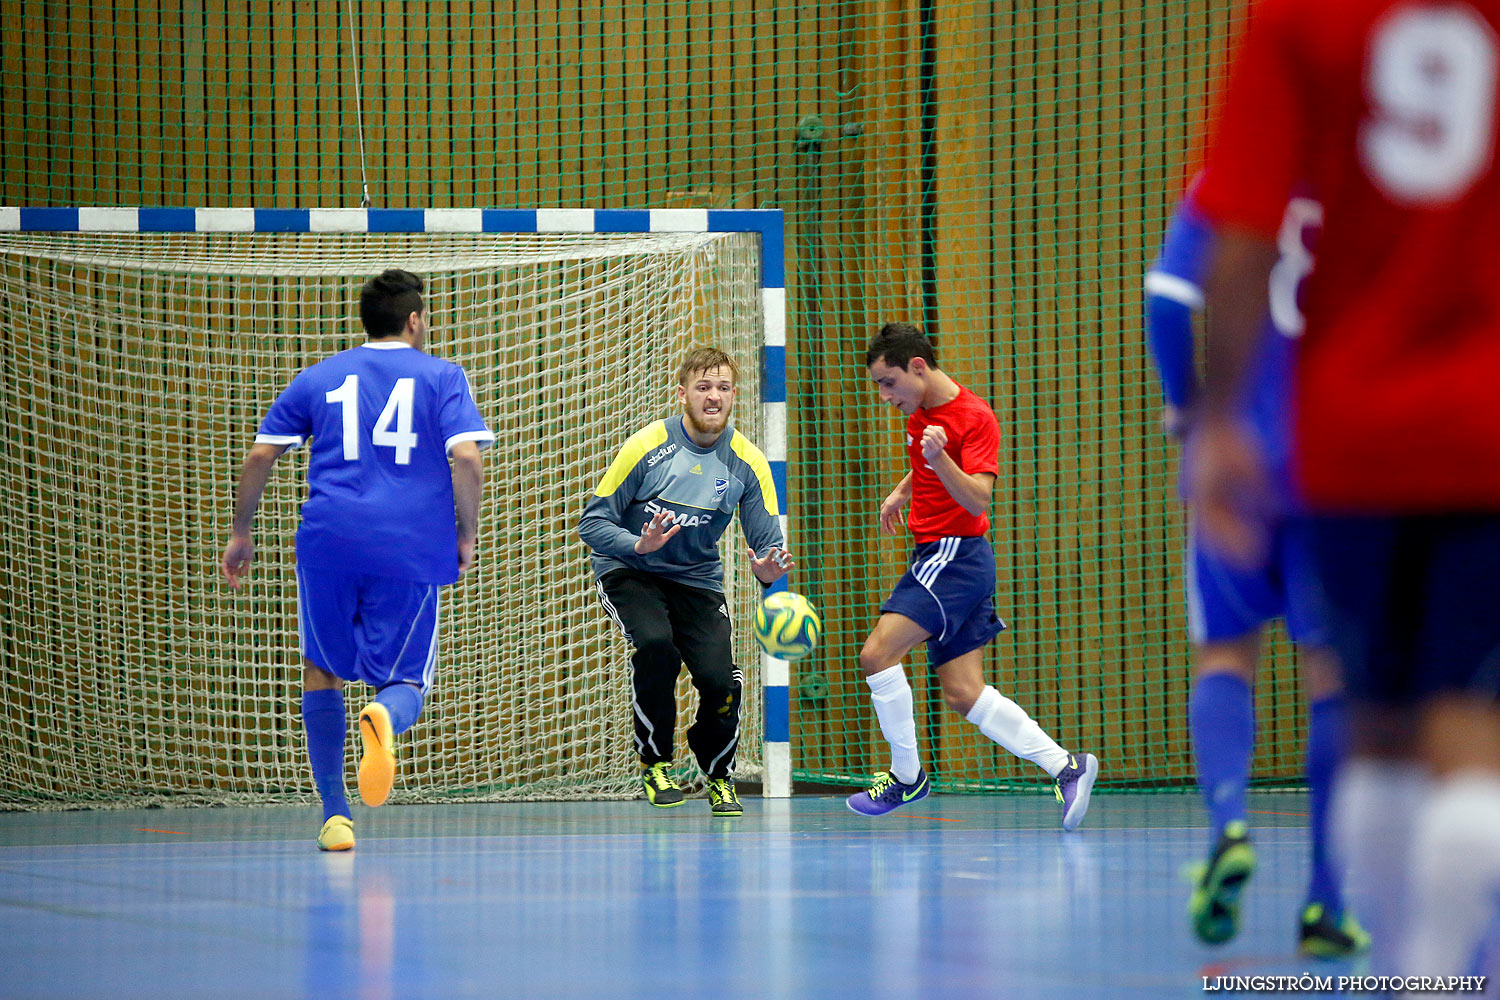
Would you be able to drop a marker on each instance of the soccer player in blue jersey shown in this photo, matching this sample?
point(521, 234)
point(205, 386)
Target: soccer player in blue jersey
point(391, 517)
point(654, 524)
point(1228, 606)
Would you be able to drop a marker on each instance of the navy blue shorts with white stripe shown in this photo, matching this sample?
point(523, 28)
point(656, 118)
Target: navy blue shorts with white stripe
point(949, 589)
point(374, 629)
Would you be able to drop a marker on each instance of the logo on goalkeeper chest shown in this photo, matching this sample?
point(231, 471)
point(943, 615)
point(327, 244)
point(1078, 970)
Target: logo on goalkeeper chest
point(660, 454)
point(686, 520)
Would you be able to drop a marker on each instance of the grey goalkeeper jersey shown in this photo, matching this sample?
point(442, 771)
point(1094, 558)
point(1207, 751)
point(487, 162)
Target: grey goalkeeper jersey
point(660, 469)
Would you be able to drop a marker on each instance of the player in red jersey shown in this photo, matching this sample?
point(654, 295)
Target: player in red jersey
point(946, 598)
point(1387, 111)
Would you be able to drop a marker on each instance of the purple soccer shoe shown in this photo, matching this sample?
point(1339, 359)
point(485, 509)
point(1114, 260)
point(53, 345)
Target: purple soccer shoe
point(886, 793)
point(1074, 784)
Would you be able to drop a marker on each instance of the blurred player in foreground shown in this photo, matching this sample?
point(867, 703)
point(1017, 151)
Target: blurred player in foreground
point(387, 523)
point(1228, 607)
point(1387, 110)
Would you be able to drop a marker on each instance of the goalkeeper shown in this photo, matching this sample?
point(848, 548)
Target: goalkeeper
point(683, 476)
point(378, 537)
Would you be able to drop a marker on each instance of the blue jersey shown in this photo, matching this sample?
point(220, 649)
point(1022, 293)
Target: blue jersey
point(1174, 292)
point(382, 418)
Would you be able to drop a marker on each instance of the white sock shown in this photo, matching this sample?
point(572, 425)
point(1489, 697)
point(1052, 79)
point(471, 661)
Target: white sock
point(1374, 812)
point(1007, 723)
point(1455, 875)
point(892, 697)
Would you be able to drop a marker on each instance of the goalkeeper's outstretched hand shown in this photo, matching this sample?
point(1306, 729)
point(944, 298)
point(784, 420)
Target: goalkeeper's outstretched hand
point(774, 565)
point(655, 533)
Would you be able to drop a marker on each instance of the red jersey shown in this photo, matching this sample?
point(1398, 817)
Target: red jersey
point(973, 443)
point(1387, 110)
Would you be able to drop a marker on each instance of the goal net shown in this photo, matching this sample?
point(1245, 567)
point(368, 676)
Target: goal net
point(136, 367)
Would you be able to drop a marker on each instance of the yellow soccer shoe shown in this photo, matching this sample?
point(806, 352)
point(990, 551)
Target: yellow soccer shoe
point(337, 834)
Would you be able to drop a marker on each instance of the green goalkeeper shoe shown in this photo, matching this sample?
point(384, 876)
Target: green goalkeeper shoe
point(723, 798)
point(662, 790)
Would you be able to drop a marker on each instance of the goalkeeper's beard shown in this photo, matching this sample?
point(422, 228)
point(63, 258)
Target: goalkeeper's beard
point(698, 427)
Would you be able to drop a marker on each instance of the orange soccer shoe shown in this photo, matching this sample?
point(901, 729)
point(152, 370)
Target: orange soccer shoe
point(377, 767)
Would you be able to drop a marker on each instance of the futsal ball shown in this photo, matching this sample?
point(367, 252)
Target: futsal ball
point(786, 626)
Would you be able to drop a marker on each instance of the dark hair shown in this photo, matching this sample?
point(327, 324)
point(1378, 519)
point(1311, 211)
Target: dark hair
point(701, 359)
point(897, 344)
point(386, 301)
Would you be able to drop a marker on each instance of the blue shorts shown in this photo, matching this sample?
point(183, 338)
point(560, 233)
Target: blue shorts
point(374, 629)
point(1226, 602)
point(949, 590)
point(1412, 604)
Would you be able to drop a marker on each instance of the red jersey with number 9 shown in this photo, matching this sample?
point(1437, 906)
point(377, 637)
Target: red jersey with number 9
point(973, 443)
point(1387, 110)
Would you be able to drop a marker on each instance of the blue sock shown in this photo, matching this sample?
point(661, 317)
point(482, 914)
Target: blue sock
point(323, 719)
point(1327, 736)
point(1221, 714)
point(404, 702)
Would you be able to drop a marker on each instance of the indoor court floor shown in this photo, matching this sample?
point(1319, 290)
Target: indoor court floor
point(962, 896)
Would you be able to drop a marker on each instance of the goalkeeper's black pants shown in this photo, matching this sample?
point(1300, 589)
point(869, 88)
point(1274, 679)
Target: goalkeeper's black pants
point(670, 625)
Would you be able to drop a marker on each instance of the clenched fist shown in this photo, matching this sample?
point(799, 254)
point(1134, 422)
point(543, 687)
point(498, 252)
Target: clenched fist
point(934, 440)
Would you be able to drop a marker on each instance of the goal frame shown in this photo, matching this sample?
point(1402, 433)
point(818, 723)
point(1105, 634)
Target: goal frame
point(768, 224)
